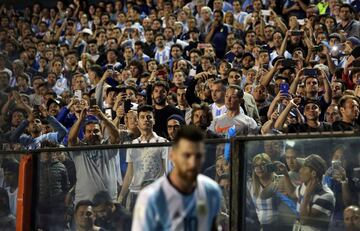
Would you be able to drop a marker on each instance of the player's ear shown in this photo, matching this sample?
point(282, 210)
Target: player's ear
point(313, 174)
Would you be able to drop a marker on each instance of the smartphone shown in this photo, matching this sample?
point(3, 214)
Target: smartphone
point(356, 172)
point(92, 102)
point(310, 72)
point(265, 12)
point(316, 48)
point(301, 22)
point(108, 112)
point(284, 88)
point(78, 94)
point(265, 66)
point(296, 32)
point(288, 63)
point(271, 167)
point(127, 105)
point(336, 164)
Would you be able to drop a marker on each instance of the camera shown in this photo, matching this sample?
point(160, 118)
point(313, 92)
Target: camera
point(92, 102)
point(271, 167)
point(316, 48)
point(296, 33)
point(288, 63)
point(336, 164)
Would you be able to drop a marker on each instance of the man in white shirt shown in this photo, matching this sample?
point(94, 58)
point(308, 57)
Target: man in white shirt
point(148, 163)
point(218, 108)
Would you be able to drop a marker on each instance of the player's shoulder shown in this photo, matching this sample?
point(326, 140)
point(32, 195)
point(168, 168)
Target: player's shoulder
point(152, 190)
point(210, 185)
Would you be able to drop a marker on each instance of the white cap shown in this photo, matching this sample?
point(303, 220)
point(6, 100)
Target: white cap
point(87, 31)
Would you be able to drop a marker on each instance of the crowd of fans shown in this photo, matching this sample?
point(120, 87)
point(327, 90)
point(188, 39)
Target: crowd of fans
point(80, 74)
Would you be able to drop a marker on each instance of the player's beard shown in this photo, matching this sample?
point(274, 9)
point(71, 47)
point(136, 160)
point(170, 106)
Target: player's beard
point(188, 176)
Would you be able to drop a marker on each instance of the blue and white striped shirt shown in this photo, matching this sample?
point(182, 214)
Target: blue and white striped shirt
point(160, 206)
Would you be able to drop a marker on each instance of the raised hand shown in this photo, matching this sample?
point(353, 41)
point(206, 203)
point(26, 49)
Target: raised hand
point(97, 112)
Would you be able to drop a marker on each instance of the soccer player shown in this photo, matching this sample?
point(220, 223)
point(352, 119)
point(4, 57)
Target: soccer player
point(184, 199)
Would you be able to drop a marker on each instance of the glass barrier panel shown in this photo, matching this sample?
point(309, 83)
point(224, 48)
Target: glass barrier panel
point(9, 181)
point(301, 184)
point(101, 186)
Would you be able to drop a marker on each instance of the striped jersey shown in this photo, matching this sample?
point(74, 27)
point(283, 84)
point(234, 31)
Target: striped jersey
point(160, 206)
point(322, 200)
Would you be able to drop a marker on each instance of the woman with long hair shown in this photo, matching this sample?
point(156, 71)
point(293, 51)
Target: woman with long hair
point(262, 185)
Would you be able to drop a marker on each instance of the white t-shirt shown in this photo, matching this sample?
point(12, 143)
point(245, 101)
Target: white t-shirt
point(148, 163)
point(244, 124)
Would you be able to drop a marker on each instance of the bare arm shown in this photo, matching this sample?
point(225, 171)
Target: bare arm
point(295, 83)
point(268, 125)
point(114, 137)
point(273, 105)
point(302, 5)
point(266, 79)
point(58, 32)
point(74, 131)
point(330, 62)
point(326, 82)
point(211, 32)
point(284, 44)
point(127, 180)
point(278, 21)
point(283, 115)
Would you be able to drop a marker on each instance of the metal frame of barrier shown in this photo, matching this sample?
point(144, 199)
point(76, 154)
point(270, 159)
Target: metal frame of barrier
point(237, 164)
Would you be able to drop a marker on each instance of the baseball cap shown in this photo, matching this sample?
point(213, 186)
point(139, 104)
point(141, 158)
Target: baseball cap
point(335, 35)
point(51, 101)
point(248, 54)
point(87, 31)
point(178, 118)
point(316, 162)
point(354, 41)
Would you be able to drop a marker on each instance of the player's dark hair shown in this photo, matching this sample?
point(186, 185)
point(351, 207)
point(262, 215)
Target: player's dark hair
point(190, 133)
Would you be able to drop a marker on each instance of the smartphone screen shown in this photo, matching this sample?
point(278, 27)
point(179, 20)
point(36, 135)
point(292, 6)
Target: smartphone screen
point(335, 164)
point(265, 12)
point(301, 22)
point(92, 102)
point(284, 88)
point(108, 112)
point(78, 94)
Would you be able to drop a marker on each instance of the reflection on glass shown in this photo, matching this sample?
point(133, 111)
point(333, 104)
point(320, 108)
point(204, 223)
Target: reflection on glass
point(302, 184)
point(77, 188)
